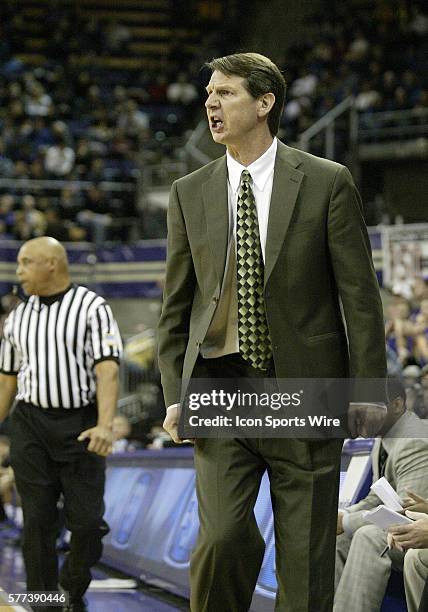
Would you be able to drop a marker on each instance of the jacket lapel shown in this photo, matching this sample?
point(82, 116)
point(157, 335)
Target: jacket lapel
point(285, 189)
point(214, 193)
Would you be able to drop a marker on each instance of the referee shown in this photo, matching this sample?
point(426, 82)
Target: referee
point(59, 359)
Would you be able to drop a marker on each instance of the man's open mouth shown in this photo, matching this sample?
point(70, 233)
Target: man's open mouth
point(216, 123)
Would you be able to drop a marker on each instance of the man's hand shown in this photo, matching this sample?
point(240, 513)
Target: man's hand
point(100, 440)
point(392, 543)
point(339, 528)
point(414, 535)
point(170, 423)
point(415, 502)
point(365, 419)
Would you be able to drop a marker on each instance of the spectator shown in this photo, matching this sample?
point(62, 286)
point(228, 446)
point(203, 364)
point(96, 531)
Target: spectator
point(70, 202)
point(6, 164)
point(59, 160)
point(117, 38)
point(411, 376)
point(419, 291)
point(402, 284)
point(182, 91)
point(305, 84)
point(84, 155)
point(419, 21)
point(36, 170)
point(399, 330)
point(121, 430)
point(368, 97)
point(95, 217)
point(358, 49)
point(424, 377)
point(7, 212)
point(157, 88)
point(41, 136)
point(29, 221)
point(55, 226)
point(21, 170)
point(100, 133)
point(4, 234)
point(159, 438)
point(421, 332)
point(97, 170)
point(131, 121)
point(38, 103)
point(121, 434)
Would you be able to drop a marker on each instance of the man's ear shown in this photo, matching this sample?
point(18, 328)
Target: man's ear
point(53, 263)
point(397, 405)
point(265, 104)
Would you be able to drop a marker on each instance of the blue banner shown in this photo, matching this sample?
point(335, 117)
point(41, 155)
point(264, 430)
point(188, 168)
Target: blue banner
point(122, 270)
point(112, 271)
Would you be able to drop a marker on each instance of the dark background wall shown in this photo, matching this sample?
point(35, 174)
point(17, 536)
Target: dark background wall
point(271, 26)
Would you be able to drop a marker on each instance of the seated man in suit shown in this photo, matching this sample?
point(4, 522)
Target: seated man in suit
point(401, 455)
point(413, 541)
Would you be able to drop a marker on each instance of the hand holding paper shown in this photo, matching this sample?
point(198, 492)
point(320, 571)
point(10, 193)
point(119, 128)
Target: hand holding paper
point(383, 517)
point(413, 535)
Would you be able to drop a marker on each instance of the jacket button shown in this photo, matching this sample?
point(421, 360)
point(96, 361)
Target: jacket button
point(215, 300)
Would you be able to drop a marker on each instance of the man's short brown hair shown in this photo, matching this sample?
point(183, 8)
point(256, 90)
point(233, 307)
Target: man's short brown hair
point(261, 75)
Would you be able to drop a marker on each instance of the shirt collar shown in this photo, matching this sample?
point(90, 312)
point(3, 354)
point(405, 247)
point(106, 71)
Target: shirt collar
point(50, 299)
point(47, 300)
point(260, 169)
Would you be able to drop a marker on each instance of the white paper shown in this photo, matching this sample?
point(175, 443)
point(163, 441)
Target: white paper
point(387, 494)
point(384, 517)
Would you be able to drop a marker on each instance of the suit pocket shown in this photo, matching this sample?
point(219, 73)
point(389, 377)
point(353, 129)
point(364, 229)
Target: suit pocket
point(321, 337)
point(302, 226)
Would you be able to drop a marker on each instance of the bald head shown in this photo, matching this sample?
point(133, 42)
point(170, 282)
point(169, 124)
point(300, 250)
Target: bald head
point(48, 247)
point(43, 267)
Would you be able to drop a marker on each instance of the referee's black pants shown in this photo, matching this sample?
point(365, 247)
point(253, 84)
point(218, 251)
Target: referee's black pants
point(48, 460)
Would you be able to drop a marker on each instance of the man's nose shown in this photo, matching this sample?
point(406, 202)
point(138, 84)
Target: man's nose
point(211, 101)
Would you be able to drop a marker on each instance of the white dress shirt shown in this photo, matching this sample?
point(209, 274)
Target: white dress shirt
point(261, 172)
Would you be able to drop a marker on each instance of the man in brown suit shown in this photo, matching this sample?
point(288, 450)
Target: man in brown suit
point(310, 242)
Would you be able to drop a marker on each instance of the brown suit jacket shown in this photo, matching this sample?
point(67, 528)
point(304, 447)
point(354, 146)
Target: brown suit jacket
point(317, 254)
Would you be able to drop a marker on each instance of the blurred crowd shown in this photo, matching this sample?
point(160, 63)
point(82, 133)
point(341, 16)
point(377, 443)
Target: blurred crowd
point(407, 325)
point(82, 127)
point(376, 51)
point(89, 127)
point(406, 330)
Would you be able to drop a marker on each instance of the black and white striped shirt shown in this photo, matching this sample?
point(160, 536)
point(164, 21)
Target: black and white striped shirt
point(53, 347)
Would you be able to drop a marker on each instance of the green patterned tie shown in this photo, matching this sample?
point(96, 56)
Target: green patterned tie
point(254, 342)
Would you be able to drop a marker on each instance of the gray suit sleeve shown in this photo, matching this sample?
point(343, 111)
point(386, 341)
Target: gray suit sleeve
point(180, 280)
point(356, 280)
point(354, 514)
point(409, 469)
